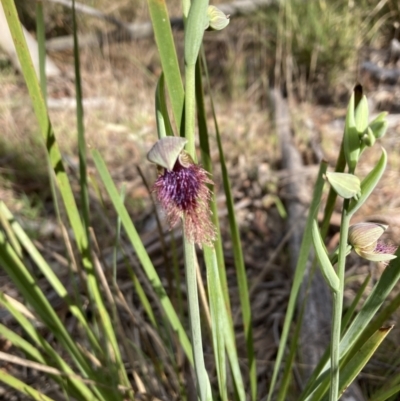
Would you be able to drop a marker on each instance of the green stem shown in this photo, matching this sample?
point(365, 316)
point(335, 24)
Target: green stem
point(193, 36)
point(338, 304)
point(203, 385)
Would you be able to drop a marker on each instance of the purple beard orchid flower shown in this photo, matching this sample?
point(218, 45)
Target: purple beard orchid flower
point(181, 188)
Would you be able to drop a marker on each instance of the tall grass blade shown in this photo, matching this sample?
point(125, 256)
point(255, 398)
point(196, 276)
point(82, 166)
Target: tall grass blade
point(45, 125)
point(50, 356)
point(361, 328)
point(207, 165)
point(217, 310)
point(41, 40)
point(222, 329)
point(324, 359)
point(50, 275)
point(238, 257)
point(215, 258)
point(388, 393)
point(64, 186)
point(375, 300)
point(299, 273)
point(169, 60)
point(22, 387)
point(287, 374)
point(352, 308)
point(84, 190)
point(164, 127)
point(353, 366)
point(142, 254)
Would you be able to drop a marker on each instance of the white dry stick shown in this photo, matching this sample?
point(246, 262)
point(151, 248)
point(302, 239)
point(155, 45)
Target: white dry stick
point(7, 44)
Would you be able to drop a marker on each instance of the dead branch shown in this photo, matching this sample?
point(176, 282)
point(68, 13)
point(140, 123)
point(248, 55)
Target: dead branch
point(93, 12)
point(7, 44)
point(137, 31)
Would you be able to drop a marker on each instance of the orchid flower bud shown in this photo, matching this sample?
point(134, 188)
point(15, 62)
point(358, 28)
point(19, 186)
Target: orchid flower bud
point(364, 238)
point(217, 20)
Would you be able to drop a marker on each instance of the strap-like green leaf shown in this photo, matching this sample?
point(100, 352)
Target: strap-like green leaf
point(299, 273)
point(169, 60)
point(194, 30)
point(217, 311)
point(327, 269)
point(22, 387)
point(353, 367)
point(369, 183)
point(164, 127)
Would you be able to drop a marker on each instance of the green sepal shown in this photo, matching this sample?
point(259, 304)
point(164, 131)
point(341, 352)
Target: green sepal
point(345, 185)
point(361, 115)
point(369, 183)
point(327, 269)
point(351, 140)
point(379, 125)
point(369, 137)
point(376, 257)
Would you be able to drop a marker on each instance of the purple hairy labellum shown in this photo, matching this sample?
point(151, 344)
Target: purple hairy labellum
point(183, 193)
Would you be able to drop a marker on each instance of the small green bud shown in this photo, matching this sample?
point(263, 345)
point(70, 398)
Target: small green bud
point(363, 237)
point(346, 185)
point(379, 125)
point(217, 20)
point(351, 140)
point(368, 137)
point(361, 115)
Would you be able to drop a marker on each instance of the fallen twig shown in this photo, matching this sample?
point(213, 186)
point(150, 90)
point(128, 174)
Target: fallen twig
point(137, 31)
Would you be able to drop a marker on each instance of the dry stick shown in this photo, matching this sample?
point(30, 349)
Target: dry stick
point(4, 356)
point(82, 8)
point(144, 30)
point(7, 44)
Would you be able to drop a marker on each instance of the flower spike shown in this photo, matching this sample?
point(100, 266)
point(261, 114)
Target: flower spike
point(183, 193)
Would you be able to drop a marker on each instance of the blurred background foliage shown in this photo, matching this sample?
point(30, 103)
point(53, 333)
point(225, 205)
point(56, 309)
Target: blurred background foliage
point(313, 48)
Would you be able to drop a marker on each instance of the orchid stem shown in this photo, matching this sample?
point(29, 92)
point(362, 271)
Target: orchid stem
point(338, 303)
point(203, 384)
